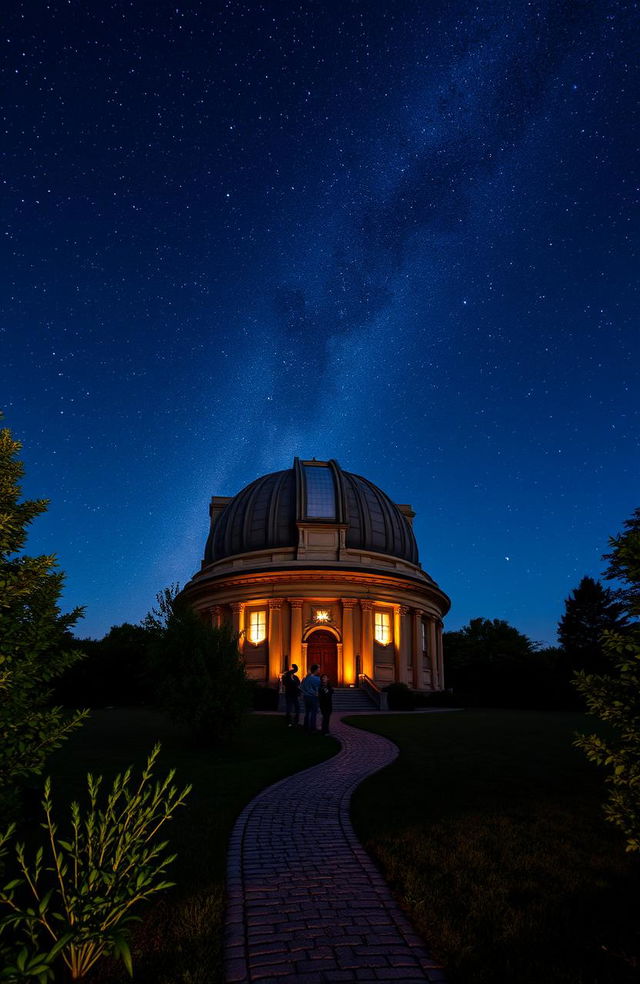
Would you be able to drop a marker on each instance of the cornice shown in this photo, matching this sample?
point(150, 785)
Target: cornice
point(282, 579)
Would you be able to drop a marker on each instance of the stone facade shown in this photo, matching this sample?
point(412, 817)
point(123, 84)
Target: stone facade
point(326, 595)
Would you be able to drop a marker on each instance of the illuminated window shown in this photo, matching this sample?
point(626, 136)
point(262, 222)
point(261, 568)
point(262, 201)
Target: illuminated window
point(321, 497)
point(382, 624)
point(322, 615)
point(257, 627)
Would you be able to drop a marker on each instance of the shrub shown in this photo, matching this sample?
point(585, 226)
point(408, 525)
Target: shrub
point(201, 676)
point(400, 697)
point(74, 900)
point(115, 671)
point(264, 698)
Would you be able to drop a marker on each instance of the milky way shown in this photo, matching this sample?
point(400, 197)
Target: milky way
point(403, 235)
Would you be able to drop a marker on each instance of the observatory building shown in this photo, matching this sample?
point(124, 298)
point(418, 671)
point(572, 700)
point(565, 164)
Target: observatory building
point(317, 565)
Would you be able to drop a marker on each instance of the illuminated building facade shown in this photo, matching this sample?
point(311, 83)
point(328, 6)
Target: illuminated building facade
point(317, 565)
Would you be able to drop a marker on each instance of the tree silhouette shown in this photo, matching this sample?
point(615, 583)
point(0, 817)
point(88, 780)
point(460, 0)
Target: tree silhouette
point(590, 611)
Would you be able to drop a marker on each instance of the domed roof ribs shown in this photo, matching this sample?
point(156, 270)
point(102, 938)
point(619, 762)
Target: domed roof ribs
point(301, 498)
point(249, 506)
point(338, 481)
point(274, 509)
point(231, 527)
point(363, 512)
point(264, 514)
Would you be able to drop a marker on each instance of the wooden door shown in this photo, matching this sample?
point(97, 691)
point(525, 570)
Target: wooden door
point(323, 650)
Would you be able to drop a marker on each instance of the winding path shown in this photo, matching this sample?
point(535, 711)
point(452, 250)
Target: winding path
point(306, 905)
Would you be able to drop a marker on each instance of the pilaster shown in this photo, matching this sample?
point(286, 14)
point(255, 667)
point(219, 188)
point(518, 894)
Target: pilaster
point(295, 648)
point(405, 646)
point(433, 655)
point(216, 613)
point(366, 645)
point(237, 620)
point(440, 650)
point(275, 640)
point(348, 651)
point(416, 648)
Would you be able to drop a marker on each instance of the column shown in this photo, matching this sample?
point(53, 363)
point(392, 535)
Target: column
point(416, 648)
point(275, 640)
point(405, 646)
point(237, 621)
point(433, 655)
point(397, 643)
point(440, 648)
point(348, 653)
point(366, 644)
point(295, 654)
point(216, 612)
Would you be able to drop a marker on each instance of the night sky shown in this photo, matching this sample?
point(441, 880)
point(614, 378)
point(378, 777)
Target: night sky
point(400, 234)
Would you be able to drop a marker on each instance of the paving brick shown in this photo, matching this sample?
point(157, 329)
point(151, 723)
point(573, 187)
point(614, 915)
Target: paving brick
point(310, 915)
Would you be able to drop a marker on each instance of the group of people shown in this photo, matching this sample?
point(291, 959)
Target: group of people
point(317, 694)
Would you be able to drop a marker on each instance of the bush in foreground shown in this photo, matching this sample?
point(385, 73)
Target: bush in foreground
point(75, 900)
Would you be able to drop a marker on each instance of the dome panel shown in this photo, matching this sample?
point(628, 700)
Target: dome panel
point(264, 515)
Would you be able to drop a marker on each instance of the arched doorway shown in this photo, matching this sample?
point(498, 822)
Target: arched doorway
point(323, 650)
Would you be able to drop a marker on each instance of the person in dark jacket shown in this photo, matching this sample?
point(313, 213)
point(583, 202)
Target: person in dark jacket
point(291, 683)
point(325, 697)
point(309, 688)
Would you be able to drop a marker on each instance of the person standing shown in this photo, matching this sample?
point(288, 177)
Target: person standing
point(291, 683)
point(325, 699)
point(309, 688)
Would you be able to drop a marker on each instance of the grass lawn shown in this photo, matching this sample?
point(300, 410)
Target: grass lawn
point(489, 828)
point(179, 940)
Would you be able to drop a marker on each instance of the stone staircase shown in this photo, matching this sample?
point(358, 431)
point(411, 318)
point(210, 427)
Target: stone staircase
point(352, 699)
point(345, 699)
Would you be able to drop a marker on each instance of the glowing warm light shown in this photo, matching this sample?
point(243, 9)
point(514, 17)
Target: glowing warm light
point(257, 627)
point(322, 615)
point(382, 628)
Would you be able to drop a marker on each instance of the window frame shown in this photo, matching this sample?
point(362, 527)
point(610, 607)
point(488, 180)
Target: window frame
point(384, 625)
point(256, 613)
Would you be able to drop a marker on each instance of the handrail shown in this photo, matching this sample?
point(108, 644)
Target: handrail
point(373, 690)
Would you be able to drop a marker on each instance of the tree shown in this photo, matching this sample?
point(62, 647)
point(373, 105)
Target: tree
point(201, 679)
point(490, 662)
point(35, 640)
point(590, 611)
point(615, 697)
point(115, 670)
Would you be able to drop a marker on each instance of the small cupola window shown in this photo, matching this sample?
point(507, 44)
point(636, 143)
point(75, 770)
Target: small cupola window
point(321, 493)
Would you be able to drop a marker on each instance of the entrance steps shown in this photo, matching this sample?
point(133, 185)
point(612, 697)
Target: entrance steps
point(345, 699)
point(352, 699)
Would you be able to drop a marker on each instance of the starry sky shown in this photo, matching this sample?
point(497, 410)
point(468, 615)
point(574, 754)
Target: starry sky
point(398, 233)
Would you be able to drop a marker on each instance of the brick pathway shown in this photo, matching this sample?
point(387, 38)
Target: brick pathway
point(306, 905)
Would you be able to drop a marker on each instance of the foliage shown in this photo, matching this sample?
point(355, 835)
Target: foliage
point(201, 678)
point(178, 938)
point(114, 672)
point(75, 899)
point(157, 620)
point(35, 642)
point(615, 697)
point(624, 564)
point(400, 697)
point(489, 661)
point(590, 611)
